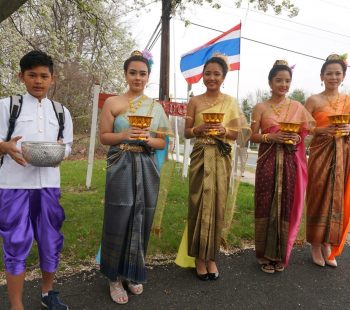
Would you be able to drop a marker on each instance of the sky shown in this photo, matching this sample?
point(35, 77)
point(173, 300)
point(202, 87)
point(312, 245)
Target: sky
point(321, 28)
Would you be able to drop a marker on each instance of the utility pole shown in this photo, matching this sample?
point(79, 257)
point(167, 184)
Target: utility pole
point(165, 51)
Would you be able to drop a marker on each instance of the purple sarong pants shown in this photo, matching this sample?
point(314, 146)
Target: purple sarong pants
point(26, 214)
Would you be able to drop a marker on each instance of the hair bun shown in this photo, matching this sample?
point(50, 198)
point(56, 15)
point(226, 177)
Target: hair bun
point(223, 57)
point(136, 53)
point(281, 62)
point(145, 54)
point(342, 57)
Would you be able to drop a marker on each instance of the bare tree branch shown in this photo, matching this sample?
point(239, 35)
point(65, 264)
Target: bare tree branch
point(8, 7)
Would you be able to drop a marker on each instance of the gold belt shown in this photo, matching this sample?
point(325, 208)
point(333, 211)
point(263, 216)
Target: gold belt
point(131, 148)
point(205, 140)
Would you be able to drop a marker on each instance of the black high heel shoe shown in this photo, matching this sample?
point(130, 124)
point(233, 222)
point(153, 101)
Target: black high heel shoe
point(203, 277)
point(213, 275)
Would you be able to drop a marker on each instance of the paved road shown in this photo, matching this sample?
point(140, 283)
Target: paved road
point(252, 158)
point(242, 286)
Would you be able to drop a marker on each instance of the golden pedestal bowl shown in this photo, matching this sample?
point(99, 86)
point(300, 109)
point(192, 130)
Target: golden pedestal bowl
point(289, 127)
point(213, 118)
point(140, 121)
point(339, 119)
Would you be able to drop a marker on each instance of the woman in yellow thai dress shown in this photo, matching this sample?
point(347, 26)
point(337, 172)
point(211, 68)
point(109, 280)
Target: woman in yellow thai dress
point(281, 173)
point(328, 192)
point(210, 167)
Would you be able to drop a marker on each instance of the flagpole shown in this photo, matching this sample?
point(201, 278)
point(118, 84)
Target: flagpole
point(239, 61)
point(187, 146)
point(239, 70)
point(238, 86)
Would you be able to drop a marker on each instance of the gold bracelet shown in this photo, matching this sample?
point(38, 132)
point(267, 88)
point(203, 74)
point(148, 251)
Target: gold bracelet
point(265, 138)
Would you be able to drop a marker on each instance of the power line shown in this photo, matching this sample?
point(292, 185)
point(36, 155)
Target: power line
point(155, 39)
point(284, 49)
point(263, 43)
point(336, 4)
point(154, 36)
point(301, 24)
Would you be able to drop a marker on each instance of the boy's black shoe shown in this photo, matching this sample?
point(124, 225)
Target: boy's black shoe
point(52, 302)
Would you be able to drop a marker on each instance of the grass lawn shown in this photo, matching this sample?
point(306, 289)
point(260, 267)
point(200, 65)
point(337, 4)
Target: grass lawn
point(84, 212)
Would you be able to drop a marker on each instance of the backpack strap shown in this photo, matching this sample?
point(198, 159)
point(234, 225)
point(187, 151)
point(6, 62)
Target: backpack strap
point(59, 111)
point(15, 111)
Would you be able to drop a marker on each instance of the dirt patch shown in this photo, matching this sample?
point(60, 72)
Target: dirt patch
point(80, 148)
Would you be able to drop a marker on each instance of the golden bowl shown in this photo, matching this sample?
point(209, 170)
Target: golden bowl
point(289, 127)
point(339, 119)
point(213, 117)
point(140, 121)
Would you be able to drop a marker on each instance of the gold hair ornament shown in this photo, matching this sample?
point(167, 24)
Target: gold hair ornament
point(281, 62)
point(145, 54)
point(342, 57)
point(223, 57)
point(136, 53)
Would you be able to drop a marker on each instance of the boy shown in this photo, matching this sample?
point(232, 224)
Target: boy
point(29, 196)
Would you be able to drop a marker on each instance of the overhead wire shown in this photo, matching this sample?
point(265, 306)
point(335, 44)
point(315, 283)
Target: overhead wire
point(155, 40)
point(157, 32)
point(336, 4)
point(154, 37)
point(263, 43)
point(301, 24)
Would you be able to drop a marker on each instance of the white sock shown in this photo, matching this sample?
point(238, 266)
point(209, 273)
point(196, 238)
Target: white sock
point(44, 294)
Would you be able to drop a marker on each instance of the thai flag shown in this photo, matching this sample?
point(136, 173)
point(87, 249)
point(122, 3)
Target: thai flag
point(228, 44)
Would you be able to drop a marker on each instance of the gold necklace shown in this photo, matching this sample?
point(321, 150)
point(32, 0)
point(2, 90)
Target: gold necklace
point(278, 107)
point(333, 105)
point(134, 106)
point(215, 102)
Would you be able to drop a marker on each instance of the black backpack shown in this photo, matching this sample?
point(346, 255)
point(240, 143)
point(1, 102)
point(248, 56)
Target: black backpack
point(15, 110)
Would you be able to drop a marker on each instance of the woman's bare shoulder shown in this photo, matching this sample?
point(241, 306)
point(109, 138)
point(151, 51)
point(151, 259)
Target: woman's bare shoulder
point(260, 106)
point(314, 101)
point(113, 100)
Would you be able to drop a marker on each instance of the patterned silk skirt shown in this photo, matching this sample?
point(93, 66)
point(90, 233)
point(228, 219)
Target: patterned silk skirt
point(274, 194)
point(132, 187)
point(328, 170)
point(209, 179)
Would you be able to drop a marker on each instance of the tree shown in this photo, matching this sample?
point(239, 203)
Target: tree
point(246, 108)
point(264, 5)
point(262, 95)
point(87, 43)
point(8, 7)
point(298, 95)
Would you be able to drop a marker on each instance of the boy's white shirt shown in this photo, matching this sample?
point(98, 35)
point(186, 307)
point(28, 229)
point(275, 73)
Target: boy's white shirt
point(36, 122)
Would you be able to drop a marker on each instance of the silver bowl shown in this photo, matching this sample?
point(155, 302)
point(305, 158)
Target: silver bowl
point(43, 154)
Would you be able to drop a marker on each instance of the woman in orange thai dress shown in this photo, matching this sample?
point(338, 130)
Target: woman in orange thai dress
point(328, 192)
point(281, 173)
